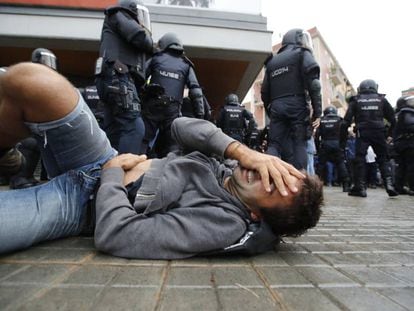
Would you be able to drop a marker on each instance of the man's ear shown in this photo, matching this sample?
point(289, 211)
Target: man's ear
point(256, 215)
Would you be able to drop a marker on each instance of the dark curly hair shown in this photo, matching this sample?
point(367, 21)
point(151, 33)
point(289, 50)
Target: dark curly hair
point(301, 214)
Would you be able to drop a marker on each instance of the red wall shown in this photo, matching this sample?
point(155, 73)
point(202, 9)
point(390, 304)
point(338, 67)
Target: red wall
point(90, 4)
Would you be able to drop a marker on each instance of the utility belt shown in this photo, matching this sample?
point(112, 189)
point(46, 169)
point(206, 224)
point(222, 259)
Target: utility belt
point(105, 66)
point(120, 86)
point(288, 95)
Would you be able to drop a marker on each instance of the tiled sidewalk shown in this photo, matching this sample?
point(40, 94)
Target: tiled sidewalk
point(360, 257)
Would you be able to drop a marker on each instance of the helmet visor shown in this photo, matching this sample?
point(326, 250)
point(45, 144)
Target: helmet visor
point(306, 40)
point(48, 60)
point(144, 17)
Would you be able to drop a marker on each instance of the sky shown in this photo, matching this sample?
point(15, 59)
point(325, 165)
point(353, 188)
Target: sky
point(370, 39)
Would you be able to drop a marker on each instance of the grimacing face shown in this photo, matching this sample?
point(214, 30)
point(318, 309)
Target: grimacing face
point(251, 191)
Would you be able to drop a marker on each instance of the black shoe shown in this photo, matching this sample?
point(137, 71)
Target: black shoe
point(355, 192)
point(11, 162)
point(389, 187)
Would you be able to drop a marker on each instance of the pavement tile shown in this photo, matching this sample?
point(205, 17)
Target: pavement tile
point(371, 277)
point(136, 276)
point(231, 276)
point(284, 277)
point(63, 299)
point(362, 299)
point(305, 299)
point(325, 276)
point(300, 259)
point(405, 274)
point(38, 274)
point(189, 299)
point(246, 299)
point(401, 296)
point(91, 275)
point(12, 297)
point(133, 298)
point(190, 277)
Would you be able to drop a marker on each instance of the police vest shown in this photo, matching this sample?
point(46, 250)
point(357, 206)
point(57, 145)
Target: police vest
point(284, 72)
point(330, 127)
point(233, 118)
point(406, 120)
point(171, 72)
point(369, 111)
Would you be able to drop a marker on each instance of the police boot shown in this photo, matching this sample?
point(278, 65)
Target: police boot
point(11, 161)
point(389, 187)
point(358, 191)
point(385, 170)
point(346, 186)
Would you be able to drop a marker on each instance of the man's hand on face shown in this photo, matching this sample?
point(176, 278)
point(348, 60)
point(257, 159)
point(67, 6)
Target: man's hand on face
point(269, 167)
point(126, 161)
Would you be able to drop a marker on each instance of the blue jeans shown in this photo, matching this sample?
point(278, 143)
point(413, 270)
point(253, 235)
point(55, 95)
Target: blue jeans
point(73, 148)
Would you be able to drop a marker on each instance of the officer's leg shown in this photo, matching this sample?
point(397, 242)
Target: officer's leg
point(361, 147)
point(408, 159)
point(123, 122)
point(299, 142)
point(277, 136)
point(339, 161)
point(168, 143)
point(151, 127)
point(400, 174)
point(379, 146)
point(322, 159)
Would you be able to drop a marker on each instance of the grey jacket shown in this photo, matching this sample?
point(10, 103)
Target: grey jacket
point(180, 210)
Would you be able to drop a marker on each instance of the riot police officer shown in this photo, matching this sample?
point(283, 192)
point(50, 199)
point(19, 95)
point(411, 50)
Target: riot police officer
point(369, 108)
point(331, 144)
point(125, 45)
point(234, 119)
point(291, 76)
point(169, 71)
point(404, 145)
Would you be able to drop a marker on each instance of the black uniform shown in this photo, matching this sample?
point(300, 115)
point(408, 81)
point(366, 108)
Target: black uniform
point(330, 145)
point(404, 145)
point(291, 76)
point(91, 97)
point(368, 109)
point(189, 109)
point(233, 119)
point(125, 44)
point(170, 71)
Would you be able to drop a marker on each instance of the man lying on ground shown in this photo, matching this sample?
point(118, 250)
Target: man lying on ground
point(176, 207)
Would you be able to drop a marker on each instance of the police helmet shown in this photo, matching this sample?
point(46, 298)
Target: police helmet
point(331, 110)
point(232, 99)
point(138, 9)
point(368, 86)
point(403, 102)
point(45, 57)
point(298, 37)
point(170, 41)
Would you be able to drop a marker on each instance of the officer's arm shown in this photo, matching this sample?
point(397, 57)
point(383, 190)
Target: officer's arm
point(195, 93)
point(311, 71)
point(131, 31)
point(265, 92)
